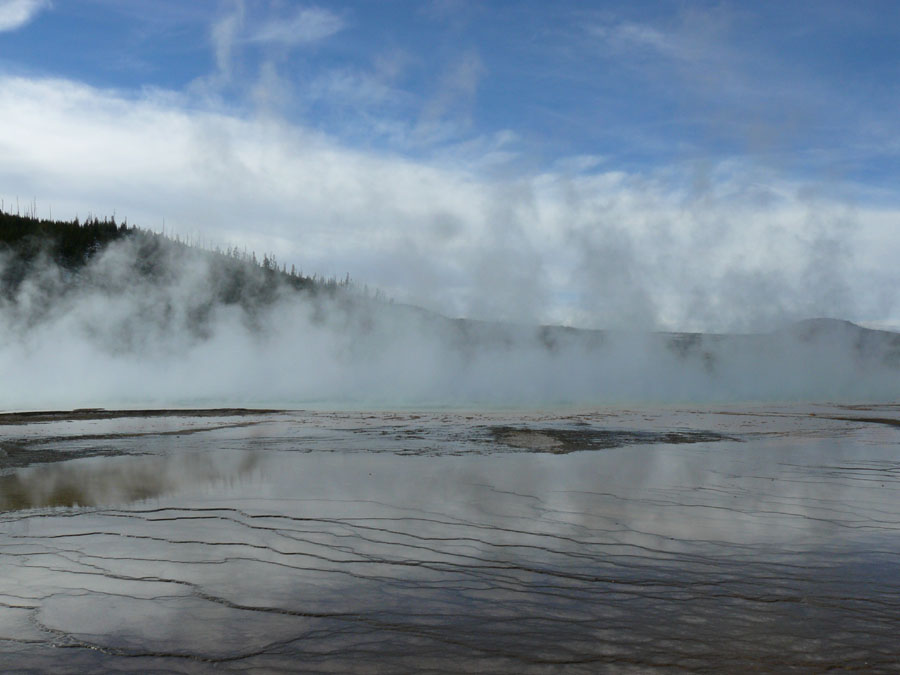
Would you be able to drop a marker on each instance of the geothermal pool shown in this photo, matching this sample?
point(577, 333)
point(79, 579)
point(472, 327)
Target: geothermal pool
point(678, 539)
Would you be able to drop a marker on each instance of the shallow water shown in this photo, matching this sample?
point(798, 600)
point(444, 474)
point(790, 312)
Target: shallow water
point(746, 538)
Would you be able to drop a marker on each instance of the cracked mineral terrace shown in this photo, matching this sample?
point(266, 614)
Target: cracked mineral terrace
point(649, 539)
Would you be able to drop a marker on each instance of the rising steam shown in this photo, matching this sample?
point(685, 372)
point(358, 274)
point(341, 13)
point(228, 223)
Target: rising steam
point(110, 335)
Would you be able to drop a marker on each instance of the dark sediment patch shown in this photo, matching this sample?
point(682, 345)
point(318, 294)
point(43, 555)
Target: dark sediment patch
point(562, 441)
point(889, 421)
point(81, 414)
point(16, 455)
point(23, 452)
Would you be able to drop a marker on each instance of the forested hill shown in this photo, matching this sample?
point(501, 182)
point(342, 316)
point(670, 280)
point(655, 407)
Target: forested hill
point(30, 246)
point(69, 244)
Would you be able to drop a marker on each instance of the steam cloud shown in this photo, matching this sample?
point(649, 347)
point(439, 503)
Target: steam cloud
point(111, 338)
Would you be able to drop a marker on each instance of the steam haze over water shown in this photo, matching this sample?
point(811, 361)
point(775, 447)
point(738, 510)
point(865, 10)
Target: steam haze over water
point(105, 336)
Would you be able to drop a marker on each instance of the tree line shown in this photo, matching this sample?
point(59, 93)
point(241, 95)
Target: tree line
point(237, 275)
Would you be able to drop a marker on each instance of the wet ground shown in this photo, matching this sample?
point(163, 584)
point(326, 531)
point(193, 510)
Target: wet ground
point(753, 538)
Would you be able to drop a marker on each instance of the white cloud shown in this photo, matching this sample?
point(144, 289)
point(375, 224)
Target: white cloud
point(307, 25)
point(728, 248)
point(16, 13)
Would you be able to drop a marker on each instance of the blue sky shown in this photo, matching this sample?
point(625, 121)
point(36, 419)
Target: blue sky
point(706, 165)
point(805, 84)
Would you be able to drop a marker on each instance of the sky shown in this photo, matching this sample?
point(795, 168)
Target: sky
point(663, 165)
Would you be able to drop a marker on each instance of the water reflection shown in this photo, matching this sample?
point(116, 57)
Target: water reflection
point(775, 553)
point(97, 481)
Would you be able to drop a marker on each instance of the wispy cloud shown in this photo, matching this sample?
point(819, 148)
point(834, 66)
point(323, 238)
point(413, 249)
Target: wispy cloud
point(306, 26)
point(628, 35)
point(719, 76)
point(224, 33)
point(233, 34)
point(450, 107)
point(692, 37)
point(17, 13)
